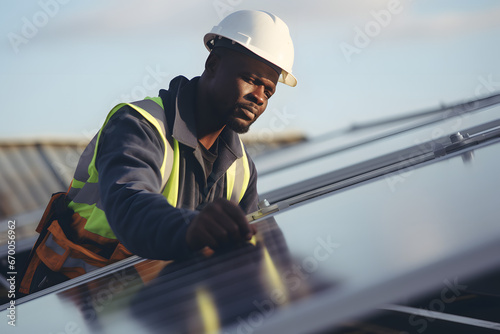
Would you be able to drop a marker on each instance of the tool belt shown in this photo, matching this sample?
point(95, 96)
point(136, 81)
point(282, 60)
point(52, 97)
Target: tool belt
point(64, 249)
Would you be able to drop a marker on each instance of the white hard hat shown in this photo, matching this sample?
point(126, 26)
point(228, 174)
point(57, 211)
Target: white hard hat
point(263, 33)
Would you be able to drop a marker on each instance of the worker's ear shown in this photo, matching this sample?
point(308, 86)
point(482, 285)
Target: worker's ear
point(212, 63)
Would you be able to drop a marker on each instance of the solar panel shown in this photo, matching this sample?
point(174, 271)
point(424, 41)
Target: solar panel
point(309, 159)
point(315, 263)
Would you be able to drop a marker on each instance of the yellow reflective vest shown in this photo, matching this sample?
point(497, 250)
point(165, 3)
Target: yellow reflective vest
point(92, 243)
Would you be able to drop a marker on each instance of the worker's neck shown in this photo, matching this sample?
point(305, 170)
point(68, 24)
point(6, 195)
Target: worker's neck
point(208, 140)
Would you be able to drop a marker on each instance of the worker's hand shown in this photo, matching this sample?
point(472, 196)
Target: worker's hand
point(220, 223)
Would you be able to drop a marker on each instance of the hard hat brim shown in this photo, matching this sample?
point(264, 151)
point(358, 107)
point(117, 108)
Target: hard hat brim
point(286, 76)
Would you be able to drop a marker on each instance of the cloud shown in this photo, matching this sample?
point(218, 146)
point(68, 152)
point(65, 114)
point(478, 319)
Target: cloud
point(149, 18)
point(119, 20)
point(154, 17)
point(436, 26)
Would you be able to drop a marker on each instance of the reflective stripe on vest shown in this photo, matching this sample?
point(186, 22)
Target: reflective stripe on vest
point(84, 190)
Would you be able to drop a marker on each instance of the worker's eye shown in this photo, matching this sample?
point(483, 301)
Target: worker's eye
point(251, 81)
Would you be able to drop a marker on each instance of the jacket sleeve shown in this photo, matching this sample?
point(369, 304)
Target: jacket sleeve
point(129, 158)
point(249, 201)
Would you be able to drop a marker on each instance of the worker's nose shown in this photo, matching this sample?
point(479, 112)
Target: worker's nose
point(258, 95)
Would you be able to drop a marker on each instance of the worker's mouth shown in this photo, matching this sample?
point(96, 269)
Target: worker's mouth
point(246, 113)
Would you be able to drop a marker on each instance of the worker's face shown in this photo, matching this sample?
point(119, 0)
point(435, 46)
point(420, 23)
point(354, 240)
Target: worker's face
point(242, 87)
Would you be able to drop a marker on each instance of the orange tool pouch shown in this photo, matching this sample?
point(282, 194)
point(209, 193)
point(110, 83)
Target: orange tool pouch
point(65, 231)
point(54, 211)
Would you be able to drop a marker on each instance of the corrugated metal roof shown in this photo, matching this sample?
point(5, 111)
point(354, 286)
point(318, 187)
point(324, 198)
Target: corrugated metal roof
point(32, 170)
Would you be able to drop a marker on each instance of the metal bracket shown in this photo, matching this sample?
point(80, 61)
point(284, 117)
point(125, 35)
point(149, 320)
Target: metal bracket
point(264, 209)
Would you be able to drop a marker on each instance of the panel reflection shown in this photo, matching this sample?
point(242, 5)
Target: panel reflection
point(236, 288)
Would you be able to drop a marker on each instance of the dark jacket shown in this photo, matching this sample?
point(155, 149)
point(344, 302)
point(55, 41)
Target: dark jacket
point(129, 156)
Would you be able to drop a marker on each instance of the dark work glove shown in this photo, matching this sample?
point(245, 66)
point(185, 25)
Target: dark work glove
point(220, 223)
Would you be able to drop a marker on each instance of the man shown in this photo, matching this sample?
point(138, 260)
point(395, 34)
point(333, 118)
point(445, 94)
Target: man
point(168, 176)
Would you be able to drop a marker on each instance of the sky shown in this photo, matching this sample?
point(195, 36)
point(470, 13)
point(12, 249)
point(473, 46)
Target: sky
point(66, 63)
